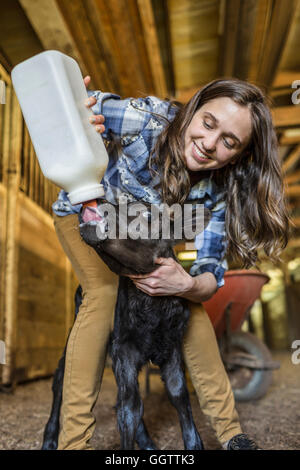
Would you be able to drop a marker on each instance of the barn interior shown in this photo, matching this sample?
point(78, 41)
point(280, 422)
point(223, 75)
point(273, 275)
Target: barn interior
point(136, 48)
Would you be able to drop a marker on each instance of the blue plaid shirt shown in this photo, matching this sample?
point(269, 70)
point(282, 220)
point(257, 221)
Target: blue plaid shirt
point(130, 123)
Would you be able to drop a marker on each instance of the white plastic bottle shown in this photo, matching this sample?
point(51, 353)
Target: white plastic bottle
point(51, 93)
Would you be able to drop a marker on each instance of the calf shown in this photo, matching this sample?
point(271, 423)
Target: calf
point(146, 328)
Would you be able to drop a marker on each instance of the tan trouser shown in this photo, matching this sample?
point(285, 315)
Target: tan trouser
point(87, 345)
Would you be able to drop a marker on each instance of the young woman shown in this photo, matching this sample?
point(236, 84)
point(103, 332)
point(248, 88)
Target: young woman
point(219, 149)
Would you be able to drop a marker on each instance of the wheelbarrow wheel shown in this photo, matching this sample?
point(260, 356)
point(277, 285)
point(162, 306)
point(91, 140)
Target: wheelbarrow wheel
point(249, 383)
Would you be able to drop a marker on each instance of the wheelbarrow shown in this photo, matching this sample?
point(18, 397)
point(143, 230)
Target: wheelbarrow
point(246, 358)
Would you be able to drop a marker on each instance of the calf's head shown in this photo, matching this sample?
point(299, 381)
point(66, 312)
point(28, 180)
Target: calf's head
point(129, 237)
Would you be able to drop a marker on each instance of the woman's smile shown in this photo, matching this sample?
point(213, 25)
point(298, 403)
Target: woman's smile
point(199, 155)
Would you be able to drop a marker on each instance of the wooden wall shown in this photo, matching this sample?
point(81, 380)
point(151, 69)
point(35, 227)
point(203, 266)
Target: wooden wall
point(37, 284)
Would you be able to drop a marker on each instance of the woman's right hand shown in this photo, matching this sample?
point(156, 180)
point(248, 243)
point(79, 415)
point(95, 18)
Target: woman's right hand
point(96, 120)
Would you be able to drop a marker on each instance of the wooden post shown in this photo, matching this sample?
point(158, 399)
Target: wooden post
point(13, 145)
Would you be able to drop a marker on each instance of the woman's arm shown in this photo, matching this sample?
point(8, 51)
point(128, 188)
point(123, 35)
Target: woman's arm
point(203, 287)
point(171, 279)
point(127, 119)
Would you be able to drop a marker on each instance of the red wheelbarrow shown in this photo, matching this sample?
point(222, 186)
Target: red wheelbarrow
point(246, 358)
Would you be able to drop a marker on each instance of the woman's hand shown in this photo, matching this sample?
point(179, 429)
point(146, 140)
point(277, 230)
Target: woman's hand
point(169, 279)
point(98, 119)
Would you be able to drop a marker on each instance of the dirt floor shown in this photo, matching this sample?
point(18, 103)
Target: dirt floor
point(274, 420)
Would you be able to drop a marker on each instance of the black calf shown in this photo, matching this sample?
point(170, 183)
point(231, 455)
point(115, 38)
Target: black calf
point(146, 328)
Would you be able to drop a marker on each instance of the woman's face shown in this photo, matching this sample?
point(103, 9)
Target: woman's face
point(218, 132)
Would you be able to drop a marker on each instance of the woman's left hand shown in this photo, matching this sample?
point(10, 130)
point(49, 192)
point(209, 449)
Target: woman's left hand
point(169, 279)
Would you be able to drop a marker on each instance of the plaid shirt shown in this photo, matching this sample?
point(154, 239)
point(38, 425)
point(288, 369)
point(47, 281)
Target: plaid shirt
point(127, 175)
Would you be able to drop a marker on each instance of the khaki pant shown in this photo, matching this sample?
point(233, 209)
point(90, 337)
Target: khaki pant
point(87, 345)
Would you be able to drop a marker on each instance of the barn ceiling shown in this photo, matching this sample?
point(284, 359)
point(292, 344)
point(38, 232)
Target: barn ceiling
point(171, 48)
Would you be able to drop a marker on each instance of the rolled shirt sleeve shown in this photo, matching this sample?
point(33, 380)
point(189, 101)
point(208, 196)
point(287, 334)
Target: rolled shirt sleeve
point(211, 246)
point(127, 118)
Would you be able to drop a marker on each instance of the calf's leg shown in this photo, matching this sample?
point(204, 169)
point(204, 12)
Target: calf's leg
point(126, 364)
point(173, 377)
point(51, 432)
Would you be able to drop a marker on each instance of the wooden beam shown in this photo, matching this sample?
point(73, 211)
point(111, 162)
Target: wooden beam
point(120, 31)
point(291, 160)
point(286, 116)
point(296, 221)
point(13, 133)
point(285, 78)
point(77, 17)
point(185, 95)
point(229, 39)
point(293, 190)
point(294, 243)
point(292, 178)
point(51, 28)
point(280, 15)
point(263, 15)
point(290, 137)
point(151, 39)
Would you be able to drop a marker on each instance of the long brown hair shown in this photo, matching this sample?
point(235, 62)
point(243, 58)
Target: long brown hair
point(256, 212)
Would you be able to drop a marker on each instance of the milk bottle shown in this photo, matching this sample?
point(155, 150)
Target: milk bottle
point(51, 93)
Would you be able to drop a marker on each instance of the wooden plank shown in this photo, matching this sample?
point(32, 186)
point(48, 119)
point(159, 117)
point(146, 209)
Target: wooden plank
point(293, 190)
point(236, 41)
point(3, 202)
point(79, 23)
point(119, 23)
point(195, 41)
point(285, 78)
point(41, 289)
point(290, 137)
point(286, 116)
point(279, 27)
point(294, 243)
point(12, 235)
point(183, 96)
point(296, 221)
point(148, 21)
point(292, 178)
point(50, 26)
point(4, 74)
point(39, 335)
point(34, 363)
point(35, 223)
point(291, 160)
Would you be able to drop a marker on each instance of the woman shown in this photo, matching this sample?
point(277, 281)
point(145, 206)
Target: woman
point(220, 148)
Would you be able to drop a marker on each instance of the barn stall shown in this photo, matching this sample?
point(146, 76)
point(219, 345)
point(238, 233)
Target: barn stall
point(172, 49)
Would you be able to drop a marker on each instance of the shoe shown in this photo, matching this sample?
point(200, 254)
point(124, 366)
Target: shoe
point(242, 442)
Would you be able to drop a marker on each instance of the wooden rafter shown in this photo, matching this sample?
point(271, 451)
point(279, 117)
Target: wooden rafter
point(285, 78)
point(151, 39)
point(286, 116)
point(293, 190)
point(292, 178)
point(49, 24)
point(291, 160)
point(296, 221)
point(229, 38)
point(277, 19)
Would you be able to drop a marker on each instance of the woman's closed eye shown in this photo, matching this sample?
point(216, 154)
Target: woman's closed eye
point(227, 144)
